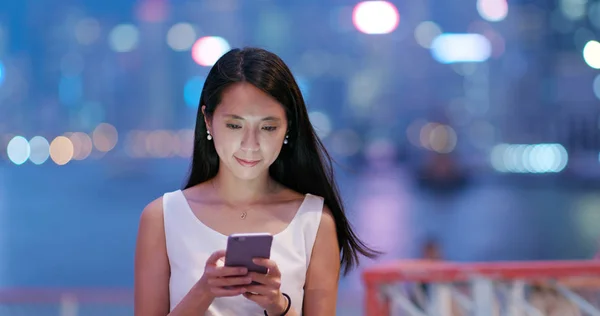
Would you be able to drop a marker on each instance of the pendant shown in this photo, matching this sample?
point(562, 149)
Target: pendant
point(244, 214)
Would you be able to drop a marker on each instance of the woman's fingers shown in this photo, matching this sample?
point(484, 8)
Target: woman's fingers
point(230, 281)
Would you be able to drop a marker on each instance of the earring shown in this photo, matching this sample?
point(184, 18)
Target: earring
point(209, 137)
point(285, 141)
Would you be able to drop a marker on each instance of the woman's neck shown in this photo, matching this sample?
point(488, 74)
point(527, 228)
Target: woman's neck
point(235, 191)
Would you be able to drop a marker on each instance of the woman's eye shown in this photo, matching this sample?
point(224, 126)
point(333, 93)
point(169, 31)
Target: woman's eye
point(270, 128)
point(233, 126)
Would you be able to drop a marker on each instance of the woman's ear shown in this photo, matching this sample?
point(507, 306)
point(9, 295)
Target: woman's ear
point(206, 120)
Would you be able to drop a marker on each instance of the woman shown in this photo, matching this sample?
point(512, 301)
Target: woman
point(257, 166)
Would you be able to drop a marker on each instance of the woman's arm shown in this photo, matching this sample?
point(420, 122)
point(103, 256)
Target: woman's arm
point(322, 277)
point(152, 271)
point(151, 286)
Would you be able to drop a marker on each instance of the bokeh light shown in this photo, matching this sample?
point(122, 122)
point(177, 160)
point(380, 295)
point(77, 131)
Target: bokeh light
point(40, 150)
point(498, 44)
point(583, 36)
point(465, 69)
point(87, 31)
point(2, 73)
point(454, 48)
point(413, 132)
point(573, 9)
point(523, 158)
point(364, 86)
point(588, 218)
point(596, 86)
point(105, 137)
point(492, 10)
point(91, 114)
point(345, 142)
point(135, 144)
point(159, 143)
point(18, 150)
point(152, 11)
point(61, 150)
point(182, 144)
point(82, 145)
point(425, 32)
point(192, 90)
point(321, 123)
point(438, 137)
point(303, 84)
point(124, 38)
point(186, 142)
point(591, 54)
point(375, 17)
point(594, 14)
point(443, 139)
point(207, 50)
point(181, 37)
point(162, 144)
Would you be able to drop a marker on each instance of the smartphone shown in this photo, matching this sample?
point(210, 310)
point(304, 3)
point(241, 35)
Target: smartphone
point(242, 248)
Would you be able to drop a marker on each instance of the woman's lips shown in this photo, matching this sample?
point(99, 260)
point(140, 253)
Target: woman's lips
point(247, 163)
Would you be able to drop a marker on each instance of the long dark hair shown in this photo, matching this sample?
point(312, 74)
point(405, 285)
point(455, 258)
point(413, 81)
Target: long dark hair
point(303, 164)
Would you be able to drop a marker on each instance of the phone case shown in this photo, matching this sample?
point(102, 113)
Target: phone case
point(242, 248)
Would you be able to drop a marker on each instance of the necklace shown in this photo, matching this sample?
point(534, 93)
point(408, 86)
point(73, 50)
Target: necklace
point(244, 213)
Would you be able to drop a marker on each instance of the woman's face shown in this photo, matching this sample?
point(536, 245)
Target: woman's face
point(248, 128)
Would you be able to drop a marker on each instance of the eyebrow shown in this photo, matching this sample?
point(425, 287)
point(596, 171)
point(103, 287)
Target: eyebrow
point(237, 117)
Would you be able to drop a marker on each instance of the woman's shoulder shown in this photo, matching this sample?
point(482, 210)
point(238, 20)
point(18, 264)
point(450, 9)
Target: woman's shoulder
point(154, 209)
point(200, 190)
point(295, 199)
point(287, 193)
point(291, 195)
point(327, 218)
point(292, 198)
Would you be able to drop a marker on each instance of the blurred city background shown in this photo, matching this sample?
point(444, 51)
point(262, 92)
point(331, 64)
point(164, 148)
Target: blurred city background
point(466, 130)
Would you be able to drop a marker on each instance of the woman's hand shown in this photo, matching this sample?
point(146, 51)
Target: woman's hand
point(223, 281)
point(267, 294)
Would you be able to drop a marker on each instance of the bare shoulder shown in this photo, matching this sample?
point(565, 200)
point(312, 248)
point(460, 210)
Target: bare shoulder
point(153, 212)
point(327, 220)
point(151, 225)
point(290, 197)
point(200, 193)
point(296, 198)
point(289, 194)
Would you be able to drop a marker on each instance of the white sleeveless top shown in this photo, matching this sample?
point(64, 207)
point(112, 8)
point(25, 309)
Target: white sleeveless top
point(190, 243)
